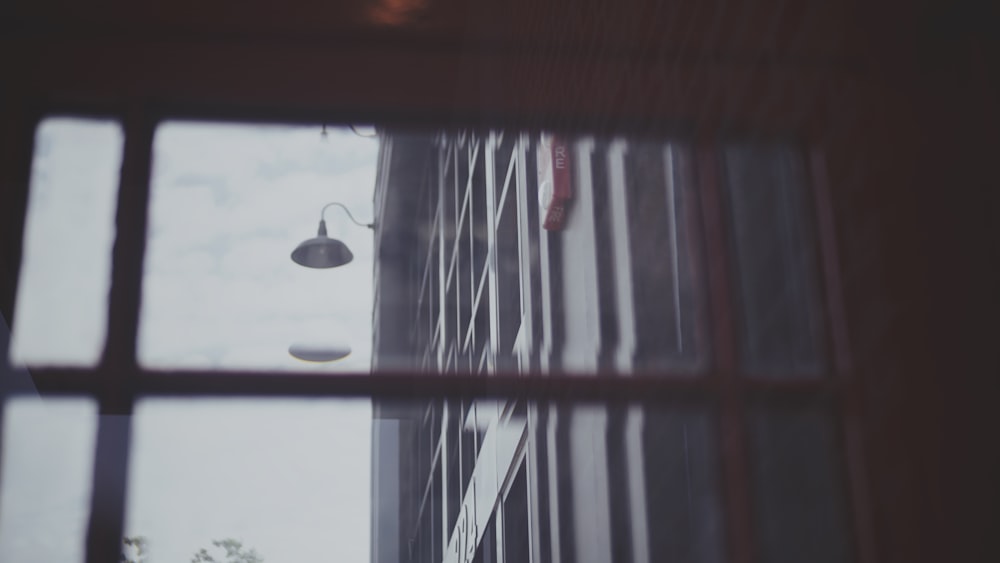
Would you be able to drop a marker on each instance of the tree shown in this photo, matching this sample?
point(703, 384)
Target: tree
point(235, 553)
point(135, 549)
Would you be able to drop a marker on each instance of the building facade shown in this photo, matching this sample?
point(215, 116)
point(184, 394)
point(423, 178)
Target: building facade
point(514, 254)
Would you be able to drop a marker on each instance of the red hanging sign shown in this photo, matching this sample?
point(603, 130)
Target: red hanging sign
point(555, 181)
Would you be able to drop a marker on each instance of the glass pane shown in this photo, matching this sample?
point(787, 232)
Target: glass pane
point(516, 518)
point(289, 479)
point(568, 481)
point(664, 242)
point(683, 500)
point(486, 551)
point(69, 230)
point(800, 498)
point(48, 453)
point(777, 284)
point(524, 252)
point(229, 203)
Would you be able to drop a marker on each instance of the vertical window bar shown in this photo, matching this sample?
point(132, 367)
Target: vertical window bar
point(107, 501)
point(129, 248)
point(116, 398)
point(16, 148)
point(733, 442)
point(781, 328)
point(850, 415)
point(827, 250)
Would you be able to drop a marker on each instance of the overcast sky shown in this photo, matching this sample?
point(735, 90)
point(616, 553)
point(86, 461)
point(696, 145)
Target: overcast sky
point(229, 203)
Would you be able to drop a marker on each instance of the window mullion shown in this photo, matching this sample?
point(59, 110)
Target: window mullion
point(16, 148)
point(107, 505)
point(116, 392)
point(852, 426)
point(734, 453)
point(129, 248)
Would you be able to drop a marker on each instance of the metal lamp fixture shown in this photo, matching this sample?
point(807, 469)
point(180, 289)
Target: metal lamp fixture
point(323, 251)
point(319, 353)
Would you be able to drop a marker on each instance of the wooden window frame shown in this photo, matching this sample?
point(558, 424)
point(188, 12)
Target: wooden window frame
point(118, 381)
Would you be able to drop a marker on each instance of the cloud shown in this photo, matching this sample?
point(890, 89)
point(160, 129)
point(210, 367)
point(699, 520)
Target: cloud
point(65, 268)
point(234, 201)
point(47, 460)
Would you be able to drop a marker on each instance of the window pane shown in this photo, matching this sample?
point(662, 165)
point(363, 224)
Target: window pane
point(574, 481)
point(663, 237)
point(579, 254)
point(683, 500)
point(781, 332)
point(48, 453)
point(229, 203)
point(485, 551)
point(288, 478)
point(69, 230)
point(800, 509)
point(515, 519)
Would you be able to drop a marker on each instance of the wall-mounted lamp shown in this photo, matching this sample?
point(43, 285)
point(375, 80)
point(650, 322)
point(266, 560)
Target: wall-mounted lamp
point(323, 251)
point(319, 353)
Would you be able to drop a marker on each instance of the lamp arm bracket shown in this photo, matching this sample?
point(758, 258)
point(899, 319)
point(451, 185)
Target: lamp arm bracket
point(346, 210)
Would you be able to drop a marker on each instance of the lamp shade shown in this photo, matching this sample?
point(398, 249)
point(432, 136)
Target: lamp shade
point(322, 251)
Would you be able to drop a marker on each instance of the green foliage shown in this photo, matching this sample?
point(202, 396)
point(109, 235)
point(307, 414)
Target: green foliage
point(235, 553)
point(135, 549)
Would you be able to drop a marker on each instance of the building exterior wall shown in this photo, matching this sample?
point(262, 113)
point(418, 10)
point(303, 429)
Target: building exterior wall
point(621, 289)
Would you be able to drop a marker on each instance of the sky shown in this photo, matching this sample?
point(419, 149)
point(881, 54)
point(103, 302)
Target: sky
point(289, 478)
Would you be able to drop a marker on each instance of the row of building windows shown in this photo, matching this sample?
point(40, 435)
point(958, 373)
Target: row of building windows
point(620, 281)
point(632, 249)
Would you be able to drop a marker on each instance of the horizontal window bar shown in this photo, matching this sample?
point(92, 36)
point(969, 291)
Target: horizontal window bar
point(213, 383)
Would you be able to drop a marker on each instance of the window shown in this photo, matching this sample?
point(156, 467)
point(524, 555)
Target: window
point(781, 333)
point(623, 381)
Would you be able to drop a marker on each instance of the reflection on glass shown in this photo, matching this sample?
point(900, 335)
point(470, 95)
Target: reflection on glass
point(573, 481)
point(800, 509)
point(287, 478)
point(683, 500)
point(48, 452)
point(66, 257)
point(515, 252)
point(776, 267)
point(493, 251)
point(516, 545)
point(664, 242)
point(229, 204)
